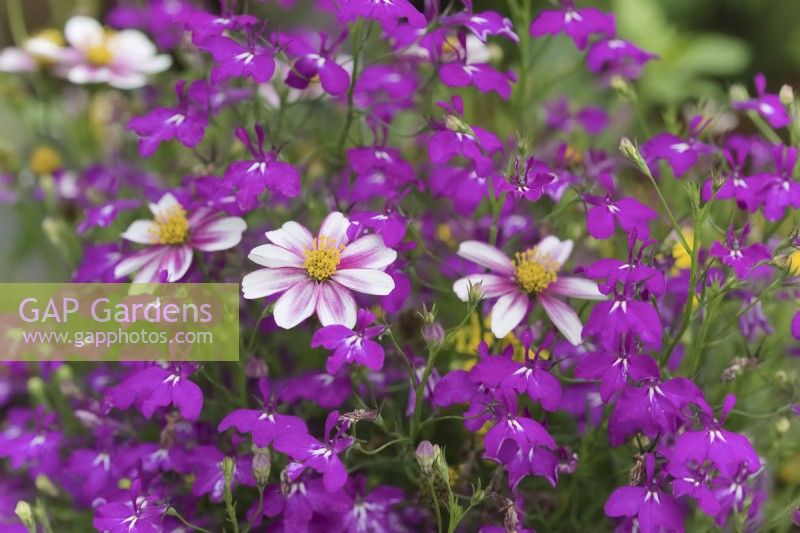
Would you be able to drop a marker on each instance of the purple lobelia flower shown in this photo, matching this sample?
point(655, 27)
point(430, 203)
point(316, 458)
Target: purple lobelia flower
point(734, 493)
point(455, 137)
point(208, 464)
point(742, 259)
point(31, 440)
point(172, 236)
point(298, 500)
point(629, 274)
point(796, 326)
point(532, 378)
point(654, 509)
point(315, 62)
point(249, 178)
point(729, 451)
point(98, 264)
point(390, 225)
point(530, 183)
point(351, 345)
point(104, 215)
point(235, 60)
point(319, 456)
point(579, 24)
point(617, 57)
point(134, 512)
point(378, 169)
point(694, 481)
point(187, 122)
point(482, 24)
point(767, 105)
point(465, 72)
point(325, 390)
point(681, 154)
point(780, 189)
point(372, 512)
point(159, 386)
point(628, 212)
point(745, 189)
point(262, 424)
point(532, 275)
point(387, 12)
point(615, 369)
point(203, 24)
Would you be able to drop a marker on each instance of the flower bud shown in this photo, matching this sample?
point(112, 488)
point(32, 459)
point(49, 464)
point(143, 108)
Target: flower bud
point(632, 154)
point(43, 484)
point(737, 93)
point(783, 425)
point(796, 516)
point(261, 466)
point(433, 333)
point(475, 294)
point(454, 123)
point(426, 455)
point(25, 514)
point(228, 467)
point(786, 96)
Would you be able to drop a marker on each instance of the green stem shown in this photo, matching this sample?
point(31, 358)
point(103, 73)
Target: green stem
point(435, 506)
point(16, 21)
point(358, 45)
point(174, 512)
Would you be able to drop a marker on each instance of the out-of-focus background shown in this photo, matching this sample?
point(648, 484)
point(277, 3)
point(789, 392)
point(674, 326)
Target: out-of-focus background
point(704, 47)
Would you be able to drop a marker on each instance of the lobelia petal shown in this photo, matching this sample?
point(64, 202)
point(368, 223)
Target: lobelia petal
point(365, 280)
point(508, 312)
point(563, 317)
point(269, 281)
point(487, 256)
point(296, 304)
point(624, 501)
point(188, 397)
point(335, 80)
point(336, 305)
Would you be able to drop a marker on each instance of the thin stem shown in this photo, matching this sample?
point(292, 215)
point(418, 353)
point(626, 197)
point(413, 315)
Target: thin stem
point(174, 512)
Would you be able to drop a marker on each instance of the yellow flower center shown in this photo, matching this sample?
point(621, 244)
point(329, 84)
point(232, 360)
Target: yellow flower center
point(322, 258)
point(535, 271)
point(99, 54)
point(44, 160)
point(172, 227)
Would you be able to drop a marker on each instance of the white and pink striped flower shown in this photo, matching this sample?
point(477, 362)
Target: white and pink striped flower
point(172, 236)
point(123, 59)
point(531, 275)
point(319, 274)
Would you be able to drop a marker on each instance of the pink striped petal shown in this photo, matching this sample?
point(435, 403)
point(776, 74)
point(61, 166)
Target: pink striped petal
point(336, 305)
point(291, 236)
point(176, 261)
point(563, 317)
point(141, 231)
point(367, 252)
point(272, 256)
point(492, 285)
point(137, 261)
point(269, 281)
point(487, 256)
point(296, 304)
point(557, 249)
point(219, 234)
point(508, 312)
point(576, 288)
point(365, 280)
point(335, 227)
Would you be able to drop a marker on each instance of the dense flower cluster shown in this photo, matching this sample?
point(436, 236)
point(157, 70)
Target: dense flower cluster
point(499, 286)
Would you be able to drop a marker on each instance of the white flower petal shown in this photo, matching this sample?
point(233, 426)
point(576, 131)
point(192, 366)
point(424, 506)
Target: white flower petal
point(83, 32)
point(272, 256)
point(563, 317)
point(291, 236)
point(218, 234)
point(141, 231)
point(367, 252)
point(492, 285)
point(136, 261)
point(269, 281)
point(576, 288)
point(487, 256)
point(335, 227)
point(557, 249)
point(296, 304)
point(365, 280)
point(508, 312)
point(336, 305)
point(164, 206)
